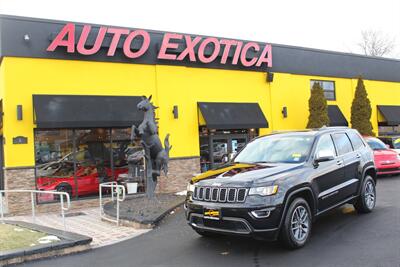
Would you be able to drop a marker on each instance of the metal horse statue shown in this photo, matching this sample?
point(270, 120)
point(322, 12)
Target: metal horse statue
point(156, 156)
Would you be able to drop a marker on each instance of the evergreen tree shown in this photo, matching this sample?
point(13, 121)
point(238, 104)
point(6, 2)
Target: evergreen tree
point(361, 110)
point(317, 107)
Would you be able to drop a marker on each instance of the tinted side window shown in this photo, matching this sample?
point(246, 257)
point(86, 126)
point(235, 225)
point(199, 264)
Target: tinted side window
point(355, 140)
point(343, 144)
point(325, 146)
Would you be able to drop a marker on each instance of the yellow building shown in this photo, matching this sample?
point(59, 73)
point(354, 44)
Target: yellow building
point(69, 93)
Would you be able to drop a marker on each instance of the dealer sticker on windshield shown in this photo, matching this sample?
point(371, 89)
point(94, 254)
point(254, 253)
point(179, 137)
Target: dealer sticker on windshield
point(213, 214)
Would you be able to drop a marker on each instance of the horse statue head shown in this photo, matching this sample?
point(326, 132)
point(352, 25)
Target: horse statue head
point(145, 104)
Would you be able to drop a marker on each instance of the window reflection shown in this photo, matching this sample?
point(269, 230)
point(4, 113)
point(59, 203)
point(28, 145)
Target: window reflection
point(93, 160)
point(77, 161)
point(54, 162)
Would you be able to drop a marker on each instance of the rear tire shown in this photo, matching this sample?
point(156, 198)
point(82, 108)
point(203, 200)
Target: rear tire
point(367, 200)
point(296, 228)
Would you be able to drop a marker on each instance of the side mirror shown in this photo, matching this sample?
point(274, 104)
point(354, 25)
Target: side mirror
point(323, 156)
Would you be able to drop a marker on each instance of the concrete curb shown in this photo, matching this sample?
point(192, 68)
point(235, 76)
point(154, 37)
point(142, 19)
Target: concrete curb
point(70, 243)
point(136, 224)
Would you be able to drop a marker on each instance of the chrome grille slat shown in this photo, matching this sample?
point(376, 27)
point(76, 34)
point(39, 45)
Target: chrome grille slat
point(214, 194)
point(220, 194)
point(207, 194)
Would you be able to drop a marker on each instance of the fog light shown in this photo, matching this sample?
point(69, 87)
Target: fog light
point(264, 213)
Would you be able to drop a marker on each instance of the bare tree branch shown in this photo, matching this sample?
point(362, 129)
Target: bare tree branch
point(376, 43)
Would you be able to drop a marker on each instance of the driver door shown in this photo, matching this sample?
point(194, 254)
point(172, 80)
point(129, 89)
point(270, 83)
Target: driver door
point(328, 173)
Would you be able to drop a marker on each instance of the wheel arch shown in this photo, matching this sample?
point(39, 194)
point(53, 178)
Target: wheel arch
point(371, 171)
point(67, 185)
point(303, 192)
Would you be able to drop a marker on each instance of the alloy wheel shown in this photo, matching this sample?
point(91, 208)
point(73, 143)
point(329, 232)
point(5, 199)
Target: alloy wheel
point(300, 224)
point(369, 195)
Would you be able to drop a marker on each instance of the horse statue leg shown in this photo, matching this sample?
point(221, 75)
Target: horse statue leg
point(150, 188)
point(134, 133)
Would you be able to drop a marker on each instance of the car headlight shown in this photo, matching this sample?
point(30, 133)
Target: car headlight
point(264, 190)
point(190, 188)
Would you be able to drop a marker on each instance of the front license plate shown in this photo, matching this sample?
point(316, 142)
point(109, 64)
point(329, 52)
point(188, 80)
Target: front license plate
point(213, 214)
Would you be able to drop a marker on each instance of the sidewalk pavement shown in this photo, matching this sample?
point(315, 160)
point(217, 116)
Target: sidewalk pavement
point(86, 222)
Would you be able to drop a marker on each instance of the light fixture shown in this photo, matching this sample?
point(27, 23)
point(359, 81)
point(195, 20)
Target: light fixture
point(284, 112)
point(270, 77)
point(19, 112)
point(175, 112)
point(27, 37)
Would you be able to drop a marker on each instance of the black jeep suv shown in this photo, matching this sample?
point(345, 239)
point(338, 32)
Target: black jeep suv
point(280, 183)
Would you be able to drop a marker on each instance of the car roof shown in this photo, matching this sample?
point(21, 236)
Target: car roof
point(315, 131)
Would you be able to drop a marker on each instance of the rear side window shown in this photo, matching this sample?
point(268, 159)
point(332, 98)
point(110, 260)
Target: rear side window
point(342, 143)
point(355, 140)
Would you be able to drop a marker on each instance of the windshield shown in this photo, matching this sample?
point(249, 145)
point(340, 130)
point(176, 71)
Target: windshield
point(277, 149)
point(376, 144)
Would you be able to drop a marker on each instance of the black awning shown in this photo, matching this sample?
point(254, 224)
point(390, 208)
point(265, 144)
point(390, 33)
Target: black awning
point(75, 111)
point(391, 114)
point(336, 117)
point(233, 115)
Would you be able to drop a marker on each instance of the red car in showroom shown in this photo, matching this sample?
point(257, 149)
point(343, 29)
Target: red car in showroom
point(387, 161)
point(59, 176)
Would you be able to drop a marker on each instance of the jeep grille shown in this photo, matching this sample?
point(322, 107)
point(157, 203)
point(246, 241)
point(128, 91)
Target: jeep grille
point(220, 194)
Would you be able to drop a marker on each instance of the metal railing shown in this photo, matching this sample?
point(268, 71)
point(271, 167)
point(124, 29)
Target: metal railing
point(33, 192)
point(117, 192)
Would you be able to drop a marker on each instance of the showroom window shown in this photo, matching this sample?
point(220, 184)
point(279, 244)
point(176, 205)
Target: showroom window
point(54, 162)
point(327, 86)
point(76, 161)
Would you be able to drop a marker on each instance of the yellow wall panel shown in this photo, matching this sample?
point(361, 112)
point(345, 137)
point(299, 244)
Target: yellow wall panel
point(24, 77)
point(20, 78)
point(184, 87)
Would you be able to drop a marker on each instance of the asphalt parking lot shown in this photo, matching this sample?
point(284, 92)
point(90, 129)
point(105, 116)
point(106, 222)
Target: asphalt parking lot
point(340, 238)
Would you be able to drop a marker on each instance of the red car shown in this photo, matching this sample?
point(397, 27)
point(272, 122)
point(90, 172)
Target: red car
point(387, 161)
point(88, 180)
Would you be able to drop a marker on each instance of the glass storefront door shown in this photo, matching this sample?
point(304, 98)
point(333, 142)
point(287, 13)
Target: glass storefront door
point(215, 150)
point(219, 151)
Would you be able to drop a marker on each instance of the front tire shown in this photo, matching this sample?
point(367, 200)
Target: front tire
point(367, 199)
point(63, 188)
point(297, 224)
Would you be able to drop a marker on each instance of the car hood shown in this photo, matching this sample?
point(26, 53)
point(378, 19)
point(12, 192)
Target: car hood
point(386, 154)
point(242, 174)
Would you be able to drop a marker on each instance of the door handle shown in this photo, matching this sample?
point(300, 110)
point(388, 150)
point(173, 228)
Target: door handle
point(358, 156)
point(339, 162)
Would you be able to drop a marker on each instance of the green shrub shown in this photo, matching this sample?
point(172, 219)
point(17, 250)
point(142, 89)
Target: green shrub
point(361, 110)
point(317, 107)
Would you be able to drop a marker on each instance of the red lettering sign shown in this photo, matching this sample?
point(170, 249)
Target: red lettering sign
point(172, 46)
point(145, 45)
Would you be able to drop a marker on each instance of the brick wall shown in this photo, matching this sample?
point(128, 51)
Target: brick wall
point(179, 173)
point(20, 203)
point(23, 178)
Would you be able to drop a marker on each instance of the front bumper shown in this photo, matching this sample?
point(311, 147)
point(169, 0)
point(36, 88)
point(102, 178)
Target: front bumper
point(388, 169)
point(235, 219)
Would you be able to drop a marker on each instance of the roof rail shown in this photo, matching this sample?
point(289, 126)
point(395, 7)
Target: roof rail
point(323, 128)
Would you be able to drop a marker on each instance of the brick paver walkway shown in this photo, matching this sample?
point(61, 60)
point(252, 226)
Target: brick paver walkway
point(89, 224)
